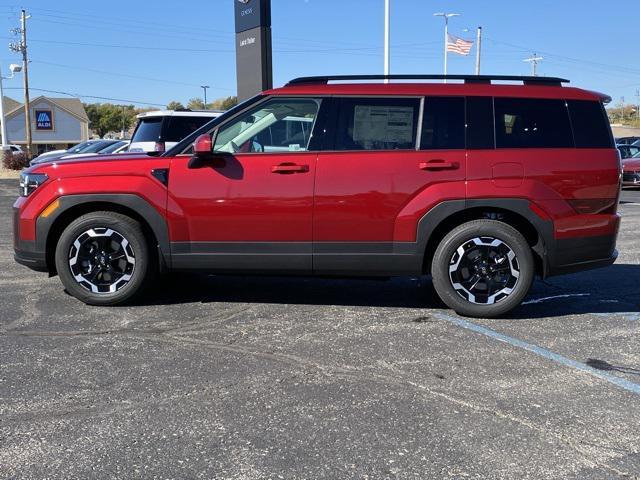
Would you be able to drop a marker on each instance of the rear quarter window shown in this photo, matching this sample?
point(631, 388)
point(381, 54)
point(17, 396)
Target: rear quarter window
point(532, 123)
point(590, 124)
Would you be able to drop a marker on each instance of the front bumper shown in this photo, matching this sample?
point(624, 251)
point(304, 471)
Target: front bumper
point(25, 251)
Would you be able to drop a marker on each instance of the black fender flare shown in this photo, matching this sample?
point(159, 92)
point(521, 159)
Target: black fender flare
point(438, 214)
point(134, 202)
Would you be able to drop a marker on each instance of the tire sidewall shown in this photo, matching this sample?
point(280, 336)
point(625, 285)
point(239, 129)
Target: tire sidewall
point(465, 232)
point(129, 229)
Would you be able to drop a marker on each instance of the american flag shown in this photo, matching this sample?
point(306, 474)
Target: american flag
point(458, 45)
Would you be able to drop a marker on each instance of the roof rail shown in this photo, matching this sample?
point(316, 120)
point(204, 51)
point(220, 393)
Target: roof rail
point(552, 81)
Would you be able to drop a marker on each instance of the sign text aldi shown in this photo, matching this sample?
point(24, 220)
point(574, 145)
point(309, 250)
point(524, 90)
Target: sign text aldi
point(44, 119)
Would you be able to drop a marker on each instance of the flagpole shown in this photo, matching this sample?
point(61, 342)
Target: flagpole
point(478, 50)
point(387, 61)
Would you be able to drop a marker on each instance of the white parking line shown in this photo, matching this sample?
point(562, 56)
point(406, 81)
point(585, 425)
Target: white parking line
point(544, 299)
point(543, 352)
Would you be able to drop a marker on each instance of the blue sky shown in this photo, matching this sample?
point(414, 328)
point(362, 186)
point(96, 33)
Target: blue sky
point(157, 51)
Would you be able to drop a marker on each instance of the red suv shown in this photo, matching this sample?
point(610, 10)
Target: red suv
point(482, 185)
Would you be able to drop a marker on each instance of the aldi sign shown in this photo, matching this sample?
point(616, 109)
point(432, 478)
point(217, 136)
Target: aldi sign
point(44, 119)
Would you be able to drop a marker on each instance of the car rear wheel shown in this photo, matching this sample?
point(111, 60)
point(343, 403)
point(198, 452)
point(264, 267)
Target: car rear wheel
point(103, 258)
point(483, 268)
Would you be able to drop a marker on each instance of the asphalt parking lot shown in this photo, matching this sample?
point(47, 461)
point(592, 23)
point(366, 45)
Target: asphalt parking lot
point(252, 378)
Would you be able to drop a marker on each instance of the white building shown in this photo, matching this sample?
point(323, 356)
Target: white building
point(56, 123)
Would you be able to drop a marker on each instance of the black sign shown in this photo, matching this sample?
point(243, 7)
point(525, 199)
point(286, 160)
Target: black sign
point(44, 119)
point(251, 14)
point(253, 62)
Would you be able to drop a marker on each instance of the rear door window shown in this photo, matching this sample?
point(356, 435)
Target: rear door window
point(480, 131)
point(443, 123)
point(532, 123)
point(590, 124)
point(376, 123)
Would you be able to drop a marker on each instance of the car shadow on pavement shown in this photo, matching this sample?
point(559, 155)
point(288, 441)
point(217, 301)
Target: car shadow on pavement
point(606, 366)
point(592, 292)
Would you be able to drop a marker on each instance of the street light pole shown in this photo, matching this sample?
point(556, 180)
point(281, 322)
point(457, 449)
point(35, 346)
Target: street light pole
point(204, 87)
point(446, 17)
point(3, 128)
point(387, 21)
point(4, 124)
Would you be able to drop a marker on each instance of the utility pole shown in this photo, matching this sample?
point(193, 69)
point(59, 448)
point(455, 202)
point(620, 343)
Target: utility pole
point(478, 50)
point(622, 103)
point(387, 33)
point(204, 87)
point(638, 103)
point(22, 48)
point(446, 17)
point(534, 63)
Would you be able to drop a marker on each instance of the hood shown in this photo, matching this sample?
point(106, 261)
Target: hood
point(91, 157)
point(87, 161)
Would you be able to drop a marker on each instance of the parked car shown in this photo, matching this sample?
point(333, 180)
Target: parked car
point(161, 130)
point(14, 148)
point(457, 180)
point(627, 140)
point(631, 171)
point(117, 146)
point(84, 148)
point(628, 150)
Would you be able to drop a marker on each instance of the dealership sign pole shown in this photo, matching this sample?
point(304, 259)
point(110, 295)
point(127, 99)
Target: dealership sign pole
point(253, 47)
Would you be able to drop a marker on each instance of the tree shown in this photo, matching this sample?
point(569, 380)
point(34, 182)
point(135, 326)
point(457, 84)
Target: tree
point(106, 117)
point(224, 103)
point(175, 105)
point(195, 104)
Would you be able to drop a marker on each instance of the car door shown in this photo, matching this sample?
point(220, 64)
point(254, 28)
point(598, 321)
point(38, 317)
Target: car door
point(390, 160)
point(250, 210)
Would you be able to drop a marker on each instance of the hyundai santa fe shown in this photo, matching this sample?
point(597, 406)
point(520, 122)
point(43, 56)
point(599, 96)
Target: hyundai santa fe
point(481, 184)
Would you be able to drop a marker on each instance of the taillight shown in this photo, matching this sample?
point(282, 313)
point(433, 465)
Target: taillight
point(160, 147)
point(594, 205)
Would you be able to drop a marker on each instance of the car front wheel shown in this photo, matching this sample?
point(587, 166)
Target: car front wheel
point(103, 258)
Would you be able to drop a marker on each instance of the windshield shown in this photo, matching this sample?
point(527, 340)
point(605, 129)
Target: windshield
point(81, 146)
point(96, 147)
point(113, 147)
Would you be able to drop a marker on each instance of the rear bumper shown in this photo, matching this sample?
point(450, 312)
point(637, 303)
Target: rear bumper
point(578, 254)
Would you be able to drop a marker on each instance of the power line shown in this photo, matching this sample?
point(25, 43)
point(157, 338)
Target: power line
point(136, 102)
point(105, 72)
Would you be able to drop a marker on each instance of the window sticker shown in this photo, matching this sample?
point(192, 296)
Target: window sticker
point(383, 123)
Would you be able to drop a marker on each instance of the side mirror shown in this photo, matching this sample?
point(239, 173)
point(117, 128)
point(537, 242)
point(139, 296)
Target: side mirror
point(202, 147)
point(203, 155)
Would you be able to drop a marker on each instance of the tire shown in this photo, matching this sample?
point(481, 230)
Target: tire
point(483, 268)
point(103, 258)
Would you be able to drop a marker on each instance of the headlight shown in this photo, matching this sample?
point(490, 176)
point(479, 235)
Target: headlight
point(30, 181)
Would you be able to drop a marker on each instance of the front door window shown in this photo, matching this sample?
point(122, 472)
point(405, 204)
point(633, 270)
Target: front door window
point(278, 125)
